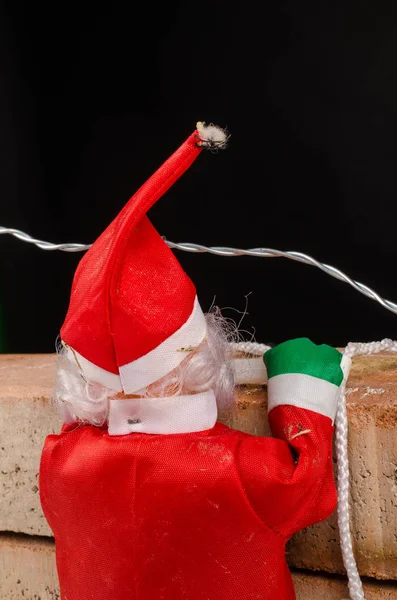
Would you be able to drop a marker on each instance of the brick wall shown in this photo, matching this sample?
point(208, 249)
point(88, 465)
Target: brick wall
point(26, 545)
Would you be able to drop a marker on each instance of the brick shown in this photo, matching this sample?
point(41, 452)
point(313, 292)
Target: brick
point(28, 572)
point(309, 586)
point(372, 412)
point(26, 418)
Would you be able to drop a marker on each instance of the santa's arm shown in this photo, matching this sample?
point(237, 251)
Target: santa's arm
point(289, 479)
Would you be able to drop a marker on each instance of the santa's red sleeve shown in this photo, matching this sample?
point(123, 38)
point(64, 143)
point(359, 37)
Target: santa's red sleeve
point(289, 479)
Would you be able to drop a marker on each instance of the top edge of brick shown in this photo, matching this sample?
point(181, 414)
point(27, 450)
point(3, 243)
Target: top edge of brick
point(32, 376)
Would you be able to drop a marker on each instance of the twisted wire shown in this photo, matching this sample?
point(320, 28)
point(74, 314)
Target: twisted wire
point(224, 251)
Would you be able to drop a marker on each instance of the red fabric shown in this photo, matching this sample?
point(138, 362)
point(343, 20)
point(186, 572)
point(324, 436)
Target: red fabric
point(129, 292)
point(198, 516)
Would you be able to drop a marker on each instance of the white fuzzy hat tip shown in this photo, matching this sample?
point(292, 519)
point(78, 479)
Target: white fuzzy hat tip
point(211, 136)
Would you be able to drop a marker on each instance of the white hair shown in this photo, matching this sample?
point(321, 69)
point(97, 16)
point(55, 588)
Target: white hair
point(209, 366)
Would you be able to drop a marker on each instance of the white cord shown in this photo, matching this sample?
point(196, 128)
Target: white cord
point(341, 426)
point(249, 348)
point(224, 251)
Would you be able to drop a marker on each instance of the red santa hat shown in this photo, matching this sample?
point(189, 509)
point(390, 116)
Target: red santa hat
point(133, 310)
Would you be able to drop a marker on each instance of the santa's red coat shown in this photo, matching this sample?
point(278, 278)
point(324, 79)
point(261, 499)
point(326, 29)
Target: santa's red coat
point(195, 516)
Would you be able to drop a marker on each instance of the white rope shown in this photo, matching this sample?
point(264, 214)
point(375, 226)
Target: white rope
point(341, 426)
point(224, 251)
point(249, 348)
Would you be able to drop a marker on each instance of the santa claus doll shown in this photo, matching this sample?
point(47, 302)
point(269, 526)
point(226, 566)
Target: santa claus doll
point(148, 496)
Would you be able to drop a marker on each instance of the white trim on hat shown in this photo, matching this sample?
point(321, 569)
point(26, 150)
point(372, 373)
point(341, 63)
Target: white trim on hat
point(175, 414)
point(157, 363)
point(154, 365)
point(92, 372)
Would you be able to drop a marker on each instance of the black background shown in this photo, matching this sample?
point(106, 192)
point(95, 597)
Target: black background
point(93, 99)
